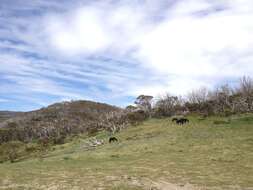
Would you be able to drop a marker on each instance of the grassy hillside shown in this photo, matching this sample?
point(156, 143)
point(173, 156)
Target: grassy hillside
point(212, 153)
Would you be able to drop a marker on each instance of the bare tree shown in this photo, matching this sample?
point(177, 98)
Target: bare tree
point(114, 121)
point(246, 90)
point(220, 99)
point(198, 96)
point(199, 101)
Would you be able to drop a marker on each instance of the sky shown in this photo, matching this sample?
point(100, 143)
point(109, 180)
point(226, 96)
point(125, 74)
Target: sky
point(114, 50)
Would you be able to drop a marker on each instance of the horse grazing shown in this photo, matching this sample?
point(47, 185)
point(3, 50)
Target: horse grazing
point(182, 121)
point(186, 120)
point(113, 139)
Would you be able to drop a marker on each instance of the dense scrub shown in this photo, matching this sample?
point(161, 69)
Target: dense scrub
point(222, 101)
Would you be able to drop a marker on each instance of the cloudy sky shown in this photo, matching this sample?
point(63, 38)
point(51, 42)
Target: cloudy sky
point(113, 50)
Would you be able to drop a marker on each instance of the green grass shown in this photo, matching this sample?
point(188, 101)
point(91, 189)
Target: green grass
point(204, 153)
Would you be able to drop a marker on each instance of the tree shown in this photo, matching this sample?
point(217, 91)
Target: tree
point(131, 108)
point(198, 96)
point(114, 121)
point(198, 101)
point(221, 101)
point(246, 90)
point(143, 102)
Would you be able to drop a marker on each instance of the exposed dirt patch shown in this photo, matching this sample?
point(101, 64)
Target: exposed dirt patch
point(164, 185)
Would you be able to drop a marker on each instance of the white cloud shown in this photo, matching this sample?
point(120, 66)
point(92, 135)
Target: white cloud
point(95, 29)
point(83, 31)
point(184, 8)
point(182, 44)
point(187, 46)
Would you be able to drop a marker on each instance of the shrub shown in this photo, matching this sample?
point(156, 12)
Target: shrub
point(93, 131)
point(12, 124)
point(114, 121)
point(11, 151)
point(66, 158)
point(167, 106)
point(44, 141)
point(31, 148)
point(221, 122)
point(136, 117)
point(58, 140)
point(12, 155)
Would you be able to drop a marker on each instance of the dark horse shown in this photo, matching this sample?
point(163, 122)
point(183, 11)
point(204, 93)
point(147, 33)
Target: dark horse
point(113, 139)
point(182, 121)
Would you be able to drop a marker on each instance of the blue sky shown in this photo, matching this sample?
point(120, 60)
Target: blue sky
point(112, 51)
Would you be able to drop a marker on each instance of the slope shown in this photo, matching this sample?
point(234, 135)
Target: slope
point(214, 153)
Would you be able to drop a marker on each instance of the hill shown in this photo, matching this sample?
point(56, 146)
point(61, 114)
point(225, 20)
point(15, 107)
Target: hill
point(56, 121)
point(5, 115)
point(212, 153)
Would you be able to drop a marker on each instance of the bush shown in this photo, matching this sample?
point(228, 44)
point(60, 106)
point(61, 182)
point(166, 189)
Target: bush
point(31, 148)
point(12, 155)
point(136, 117)
point(221, 122)
point(58, 140)
point(93, 131)
point(11, 151)
point(44, 142)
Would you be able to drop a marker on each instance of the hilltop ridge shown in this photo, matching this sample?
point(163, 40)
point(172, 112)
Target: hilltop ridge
point(57, 120)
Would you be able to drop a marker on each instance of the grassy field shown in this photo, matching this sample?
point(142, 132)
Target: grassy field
point(212, 153)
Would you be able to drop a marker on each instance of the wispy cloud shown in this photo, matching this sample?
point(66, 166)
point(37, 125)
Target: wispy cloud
point(111, 51)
